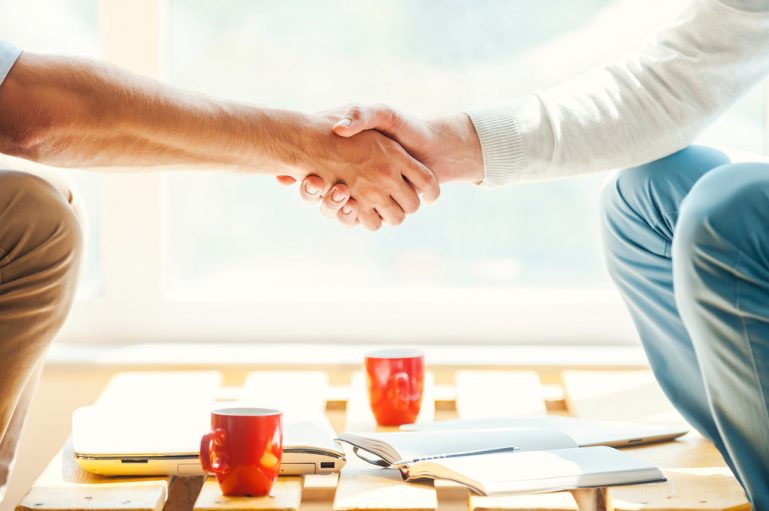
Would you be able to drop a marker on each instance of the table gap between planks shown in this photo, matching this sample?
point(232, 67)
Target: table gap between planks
point(697, 476)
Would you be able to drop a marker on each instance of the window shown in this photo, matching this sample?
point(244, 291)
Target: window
point(203, 256)
point(69, 27)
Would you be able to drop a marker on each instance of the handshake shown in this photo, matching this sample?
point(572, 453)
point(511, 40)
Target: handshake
point(370, 164)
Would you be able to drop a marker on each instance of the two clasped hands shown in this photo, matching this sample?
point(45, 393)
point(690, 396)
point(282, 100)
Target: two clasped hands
point(383, 161)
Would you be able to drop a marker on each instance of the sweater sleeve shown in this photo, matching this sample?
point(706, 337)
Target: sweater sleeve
point(650, 104)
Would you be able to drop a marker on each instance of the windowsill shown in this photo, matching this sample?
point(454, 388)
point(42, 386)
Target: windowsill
point(308, 356)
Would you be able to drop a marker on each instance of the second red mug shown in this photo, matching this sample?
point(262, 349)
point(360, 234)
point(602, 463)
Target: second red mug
point(243, 449)
point(395, 381)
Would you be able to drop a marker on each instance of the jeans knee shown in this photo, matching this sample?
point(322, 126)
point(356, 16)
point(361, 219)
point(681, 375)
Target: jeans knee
point(725, 212)
point(655, 189)
point(37, 221)
point(721, 243)
point(639, 205)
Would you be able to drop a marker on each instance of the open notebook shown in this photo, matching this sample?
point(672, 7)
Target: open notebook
point(493, 462)
point(401, 448)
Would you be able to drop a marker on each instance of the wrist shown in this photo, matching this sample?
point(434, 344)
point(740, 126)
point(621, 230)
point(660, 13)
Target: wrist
point(461, 158)
point(283, 140)
point(305, 150)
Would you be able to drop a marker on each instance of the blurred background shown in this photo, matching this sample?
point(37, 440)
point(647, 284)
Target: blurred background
point(209, 269)
point(198, 255)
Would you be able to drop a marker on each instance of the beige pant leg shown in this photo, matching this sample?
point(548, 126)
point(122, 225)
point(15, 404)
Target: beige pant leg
point(10, 442)
point(40, 247)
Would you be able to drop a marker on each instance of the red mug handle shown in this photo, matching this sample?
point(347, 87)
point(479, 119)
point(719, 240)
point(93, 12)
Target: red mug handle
point(217, 465)
point(402, 390)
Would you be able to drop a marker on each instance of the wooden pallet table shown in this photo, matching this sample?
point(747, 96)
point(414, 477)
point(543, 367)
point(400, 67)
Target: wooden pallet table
point(697, 476)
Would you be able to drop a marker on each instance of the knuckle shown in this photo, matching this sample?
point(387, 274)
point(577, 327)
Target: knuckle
point(430, 177)
point(382, 172)
point(411, 206)
point(374, 193)
point(393, 150)
point(427, 177)
point(372, 221)
point(329, 205)
point(387, 114)
point(355, 112)
point(391, 118)
point(392, 175)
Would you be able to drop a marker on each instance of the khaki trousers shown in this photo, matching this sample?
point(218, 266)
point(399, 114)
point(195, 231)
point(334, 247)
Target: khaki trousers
point(40, 247)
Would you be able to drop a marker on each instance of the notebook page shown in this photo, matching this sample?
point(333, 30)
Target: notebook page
point(546, 470)
point(421, 444)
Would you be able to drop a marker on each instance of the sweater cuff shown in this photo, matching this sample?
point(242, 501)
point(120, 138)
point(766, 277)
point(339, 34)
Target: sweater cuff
point(501, 144)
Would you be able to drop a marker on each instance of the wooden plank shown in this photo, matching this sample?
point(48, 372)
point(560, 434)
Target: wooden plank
point(375, 489)
point(560, 501)
point(63, 485)
point(286, 495)
point(365, 487)
point(620, 395)
point(183, 493)
point(319, 488)
point(698, 478)
point(588, 499)
point(499, 394)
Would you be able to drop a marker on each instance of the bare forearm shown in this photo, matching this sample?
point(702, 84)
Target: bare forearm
point(78, 113)
point(73, 112)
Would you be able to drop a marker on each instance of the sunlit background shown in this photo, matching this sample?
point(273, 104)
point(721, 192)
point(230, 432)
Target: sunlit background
point(242, 237)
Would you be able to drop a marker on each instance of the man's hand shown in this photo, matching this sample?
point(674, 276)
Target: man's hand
point(93, 115)
point(374, 169)
point(449, 146)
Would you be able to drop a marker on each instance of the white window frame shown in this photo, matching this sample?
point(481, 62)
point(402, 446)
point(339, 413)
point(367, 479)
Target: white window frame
point(132, 305)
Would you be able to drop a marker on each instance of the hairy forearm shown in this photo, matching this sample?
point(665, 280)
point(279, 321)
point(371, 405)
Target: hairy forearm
point(79, 113)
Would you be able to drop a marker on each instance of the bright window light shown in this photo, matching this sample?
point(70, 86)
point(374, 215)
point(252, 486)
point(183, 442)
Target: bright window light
point(202, 256)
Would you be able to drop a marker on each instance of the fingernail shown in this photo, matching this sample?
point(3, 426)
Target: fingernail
point(311, 189)
point(346, 209)
point(337, 196)
point(345, 123)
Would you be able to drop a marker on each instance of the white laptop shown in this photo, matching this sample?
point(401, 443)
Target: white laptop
point(163, 441)
point(584, 432)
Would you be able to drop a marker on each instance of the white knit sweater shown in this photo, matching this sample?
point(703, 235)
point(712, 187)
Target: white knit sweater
point(651, 104)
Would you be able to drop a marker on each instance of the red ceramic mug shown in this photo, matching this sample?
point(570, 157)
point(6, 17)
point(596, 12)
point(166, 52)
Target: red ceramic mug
point(243, 449)
point(395, 381)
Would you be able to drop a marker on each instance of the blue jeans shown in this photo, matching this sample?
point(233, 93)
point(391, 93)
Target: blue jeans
point(687, 243)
